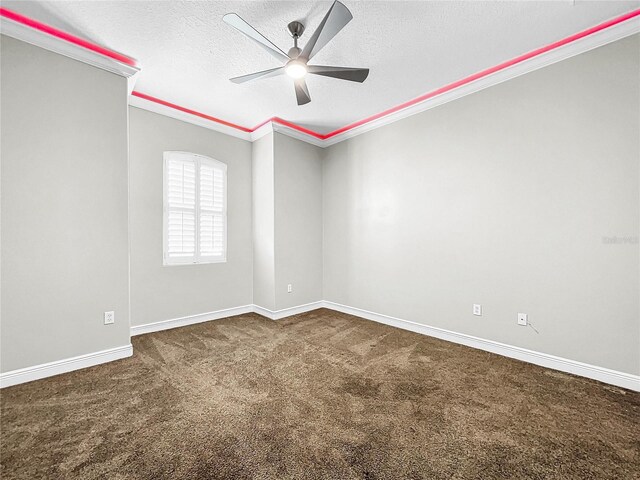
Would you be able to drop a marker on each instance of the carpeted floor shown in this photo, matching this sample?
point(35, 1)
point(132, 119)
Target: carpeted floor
point(322, 395)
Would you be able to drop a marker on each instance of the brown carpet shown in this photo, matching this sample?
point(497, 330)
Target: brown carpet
point(317, 396)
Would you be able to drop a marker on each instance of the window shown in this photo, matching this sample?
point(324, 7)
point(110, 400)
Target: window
point(195, 209)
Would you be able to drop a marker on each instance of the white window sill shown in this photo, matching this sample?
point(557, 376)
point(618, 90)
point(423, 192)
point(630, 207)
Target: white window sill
point(186, 264)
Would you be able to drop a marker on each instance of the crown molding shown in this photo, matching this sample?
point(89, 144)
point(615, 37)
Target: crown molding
point(168, 110)
point(581, 42)
point(262, 130)
point(294, 133)
point(65, 46)
point(36, 33)
point(161, 107)
point(514, 68)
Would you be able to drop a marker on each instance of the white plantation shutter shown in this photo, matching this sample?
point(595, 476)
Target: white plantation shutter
point(195, 210)
point(180, 190)
point(212, 231)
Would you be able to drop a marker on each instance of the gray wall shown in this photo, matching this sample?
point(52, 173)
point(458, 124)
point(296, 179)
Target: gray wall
point(298, 222)
point(64, 207)
point(263, 223)
point(502, 198)
point(165, 292)
point(287, 222)
point(518, 197)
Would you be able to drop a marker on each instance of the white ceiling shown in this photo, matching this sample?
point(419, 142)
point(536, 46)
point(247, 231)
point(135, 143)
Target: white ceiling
point(187, 53)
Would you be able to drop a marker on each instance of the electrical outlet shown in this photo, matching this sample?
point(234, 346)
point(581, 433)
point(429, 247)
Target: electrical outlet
point(289, 288)
point(477, 309)
point(522, 319)
point(109, 318)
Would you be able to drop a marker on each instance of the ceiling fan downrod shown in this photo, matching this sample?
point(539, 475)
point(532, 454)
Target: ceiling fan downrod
point(296, 29)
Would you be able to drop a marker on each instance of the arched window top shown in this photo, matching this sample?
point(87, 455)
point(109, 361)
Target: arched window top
point(189, 156)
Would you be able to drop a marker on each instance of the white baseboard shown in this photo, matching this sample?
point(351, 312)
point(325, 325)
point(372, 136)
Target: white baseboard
point(50, 369)
point(613, 377)
point(189, 320)
point(219, 314)
point(287, 312)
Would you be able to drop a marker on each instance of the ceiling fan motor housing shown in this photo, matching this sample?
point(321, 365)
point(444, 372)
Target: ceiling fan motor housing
point(294, 52)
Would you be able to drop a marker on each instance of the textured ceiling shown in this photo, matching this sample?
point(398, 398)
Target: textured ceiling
point(187, 53)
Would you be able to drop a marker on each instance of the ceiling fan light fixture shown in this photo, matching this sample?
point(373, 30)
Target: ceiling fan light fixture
point(296, 69)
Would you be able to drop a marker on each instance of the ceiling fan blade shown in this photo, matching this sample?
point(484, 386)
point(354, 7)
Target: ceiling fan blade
point(343, 73)
point(258, 75)
point(302, 92)
point(335, 19)
point(238, 23)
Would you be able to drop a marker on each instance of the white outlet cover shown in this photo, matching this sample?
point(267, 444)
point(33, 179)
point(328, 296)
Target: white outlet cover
point(289, 288)
point(522, 319)
point(109, 318)
point(477, 309)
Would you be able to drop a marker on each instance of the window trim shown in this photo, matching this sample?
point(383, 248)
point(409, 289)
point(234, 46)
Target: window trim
point(197, 260)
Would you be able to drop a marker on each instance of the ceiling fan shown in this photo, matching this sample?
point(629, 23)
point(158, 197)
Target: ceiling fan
point(295, 62)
